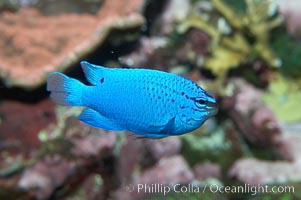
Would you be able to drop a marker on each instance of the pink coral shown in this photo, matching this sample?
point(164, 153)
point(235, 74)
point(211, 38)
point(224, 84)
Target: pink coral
point(290, 9)
point(32, 45)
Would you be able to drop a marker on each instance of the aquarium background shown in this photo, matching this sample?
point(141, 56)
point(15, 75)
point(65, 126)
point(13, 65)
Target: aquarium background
point(246, 53)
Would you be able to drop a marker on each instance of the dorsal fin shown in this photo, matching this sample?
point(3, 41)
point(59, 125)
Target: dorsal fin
point(92, 72)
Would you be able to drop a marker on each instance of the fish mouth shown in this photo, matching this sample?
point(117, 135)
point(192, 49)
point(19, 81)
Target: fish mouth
point(212, 108)
point(213, 111)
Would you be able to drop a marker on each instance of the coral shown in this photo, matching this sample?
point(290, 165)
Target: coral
point(89, 189)
point(93, 145)
point(34, 44)
point(249, 37)
point(260, 127)
point(162, 173)
point(290, 10)
point(128, 161)
point(170, 16)
point(21, 123)
point(56, 7)
point(65, 150)
point(283, 97)
point(207, 170)
point(62, 160)
point(289, 146)
point(265, 125)
point(168, 171)
point(147, 49)
point(198, 147)
point(256, 122)
point(45, 176)
point(253, 171)
point(163, 148)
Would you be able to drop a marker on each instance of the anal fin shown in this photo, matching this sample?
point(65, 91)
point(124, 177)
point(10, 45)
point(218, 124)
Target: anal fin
point(95, 119)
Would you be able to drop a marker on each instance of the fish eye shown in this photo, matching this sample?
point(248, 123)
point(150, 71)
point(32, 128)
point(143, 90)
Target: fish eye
point(200, 102)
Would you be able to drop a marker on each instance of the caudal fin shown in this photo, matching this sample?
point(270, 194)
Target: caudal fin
point(64, 90)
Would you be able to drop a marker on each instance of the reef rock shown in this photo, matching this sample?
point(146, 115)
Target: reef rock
point(163, 148)
point(207, 170)
point(33, 44)
point(254, 119)
point(88, 147)
point(163, 173)
point(252, 171)
point(45, 176)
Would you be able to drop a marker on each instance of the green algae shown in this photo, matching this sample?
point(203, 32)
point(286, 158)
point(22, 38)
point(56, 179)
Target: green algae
point(198, 147)
point(9, 5)
point(249, 38)
point(289, 50)
point(284, 97)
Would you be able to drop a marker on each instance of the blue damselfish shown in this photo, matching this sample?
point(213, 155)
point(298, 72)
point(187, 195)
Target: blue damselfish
point(150, 103)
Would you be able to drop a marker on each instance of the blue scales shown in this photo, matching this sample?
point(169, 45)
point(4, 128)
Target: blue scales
point(150, 103)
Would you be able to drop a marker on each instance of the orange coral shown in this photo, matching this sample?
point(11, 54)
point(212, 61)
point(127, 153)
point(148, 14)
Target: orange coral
point(32, 45)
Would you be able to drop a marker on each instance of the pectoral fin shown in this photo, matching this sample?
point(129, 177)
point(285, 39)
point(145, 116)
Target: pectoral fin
point(95, 119)
point(157, 132)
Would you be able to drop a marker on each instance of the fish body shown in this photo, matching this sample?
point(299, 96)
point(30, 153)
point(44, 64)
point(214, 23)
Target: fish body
point(150, 103)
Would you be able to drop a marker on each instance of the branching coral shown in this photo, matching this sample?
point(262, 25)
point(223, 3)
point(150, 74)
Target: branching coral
point(249, 37)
